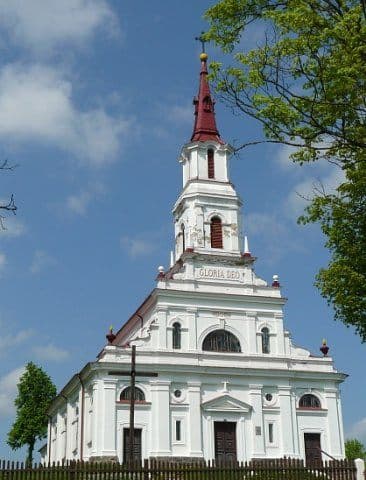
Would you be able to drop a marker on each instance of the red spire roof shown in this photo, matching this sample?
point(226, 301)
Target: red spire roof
point(205, 122)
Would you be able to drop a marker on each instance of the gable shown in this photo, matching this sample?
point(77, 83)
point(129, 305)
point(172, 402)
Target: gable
point(225, 403)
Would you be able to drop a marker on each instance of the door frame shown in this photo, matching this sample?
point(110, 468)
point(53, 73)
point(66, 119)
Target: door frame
point(242, 434)
point(235, 425)
point(318, 434)
point(125, 436)
point(142, 427)
point(323, 440)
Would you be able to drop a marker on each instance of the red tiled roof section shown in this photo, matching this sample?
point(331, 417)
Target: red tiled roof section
point(205, 123)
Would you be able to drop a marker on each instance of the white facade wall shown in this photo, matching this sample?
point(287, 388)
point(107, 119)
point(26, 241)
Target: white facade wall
point(205, 399)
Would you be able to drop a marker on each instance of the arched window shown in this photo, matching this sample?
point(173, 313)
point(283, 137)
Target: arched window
point(309, 401)
point(126, 395)
point(265, 340)
point(183, 237)
point(221, 341)
point(210, 163)
point(177, 335)
point(216, 233)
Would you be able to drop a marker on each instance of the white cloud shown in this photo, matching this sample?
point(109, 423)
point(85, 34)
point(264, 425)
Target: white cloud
point(8, 390)
point(51, 353)
point(283, 160)
point(275, 233)
point(9, 340)
point(255, 35)
point(181, 113)
point(304, 191)
point(299, 197)
point(36, 106)
point(41, 261)
point(358, 430)
point(79, 203)
point(12, 227)
point(43, 25)
point(265, 223)
point(137, 247)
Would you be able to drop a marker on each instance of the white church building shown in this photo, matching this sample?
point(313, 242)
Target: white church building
point(217, 374)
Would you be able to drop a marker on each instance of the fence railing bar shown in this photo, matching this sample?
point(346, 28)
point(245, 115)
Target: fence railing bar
point(152, 469)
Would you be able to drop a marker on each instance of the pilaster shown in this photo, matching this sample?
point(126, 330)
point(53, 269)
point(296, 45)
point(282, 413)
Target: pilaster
point(95, 436)
point(69, 419)
point(160, 418)
point(255, 394)
point(192, 328)
point(286, 418)
point(295, 425)
point(162, 322)
point(333, 421)
point(195, 420)
point(251, 324)
point(109, 416)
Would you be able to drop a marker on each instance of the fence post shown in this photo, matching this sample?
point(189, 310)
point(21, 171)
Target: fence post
point(360, 467)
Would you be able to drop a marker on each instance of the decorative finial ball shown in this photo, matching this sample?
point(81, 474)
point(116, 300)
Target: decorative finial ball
point(324, 348)
point(203, 56)
point(275, 278)
point(161, 269)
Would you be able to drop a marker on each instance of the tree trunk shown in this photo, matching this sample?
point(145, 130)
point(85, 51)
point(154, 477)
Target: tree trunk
point(29, 460)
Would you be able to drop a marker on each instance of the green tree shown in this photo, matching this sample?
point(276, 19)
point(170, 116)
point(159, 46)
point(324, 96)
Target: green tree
point(354, 449)
point(306, 83)
point(35, 392)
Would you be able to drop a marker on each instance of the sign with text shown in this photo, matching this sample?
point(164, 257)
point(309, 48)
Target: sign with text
point(220, 273)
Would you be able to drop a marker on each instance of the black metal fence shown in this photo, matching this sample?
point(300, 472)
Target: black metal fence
point(277, 469)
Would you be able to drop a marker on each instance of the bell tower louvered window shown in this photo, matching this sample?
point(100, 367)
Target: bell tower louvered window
point(216, 233)
point(210, 163)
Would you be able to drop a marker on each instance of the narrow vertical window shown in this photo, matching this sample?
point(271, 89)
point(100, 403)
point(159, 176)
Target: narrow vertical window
point(183, 237)
point(216, 233)
point(270, 432)
point(210, 163)
point(178, 432)
point(177, 336)
point(265, 340)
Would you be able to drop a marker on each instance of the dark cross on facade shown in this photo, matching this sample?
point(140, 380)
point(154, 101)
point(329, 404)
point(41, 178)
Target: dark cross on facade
point(132, 374)
point(202, 40)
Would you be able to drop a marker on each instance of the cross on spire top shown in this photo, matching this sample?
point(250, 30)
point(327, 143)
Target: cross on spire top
point(202, 40)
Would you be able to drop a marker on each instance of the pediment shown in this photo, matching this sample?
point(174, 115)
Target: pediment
point(225, 403)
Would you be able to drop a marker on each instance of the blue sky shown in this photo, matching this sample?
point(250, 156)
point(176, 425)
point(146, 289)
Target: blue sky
point(95, 104)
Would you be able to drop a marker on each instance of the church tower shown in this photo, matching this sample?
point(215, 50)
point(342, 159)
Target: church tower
point(207, 212)
point(209, 245)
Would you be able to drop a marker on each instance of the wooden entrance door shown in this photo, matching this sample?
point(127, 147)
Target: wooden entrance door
point(225, 441)
point(136, 444)
point(313, 454)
